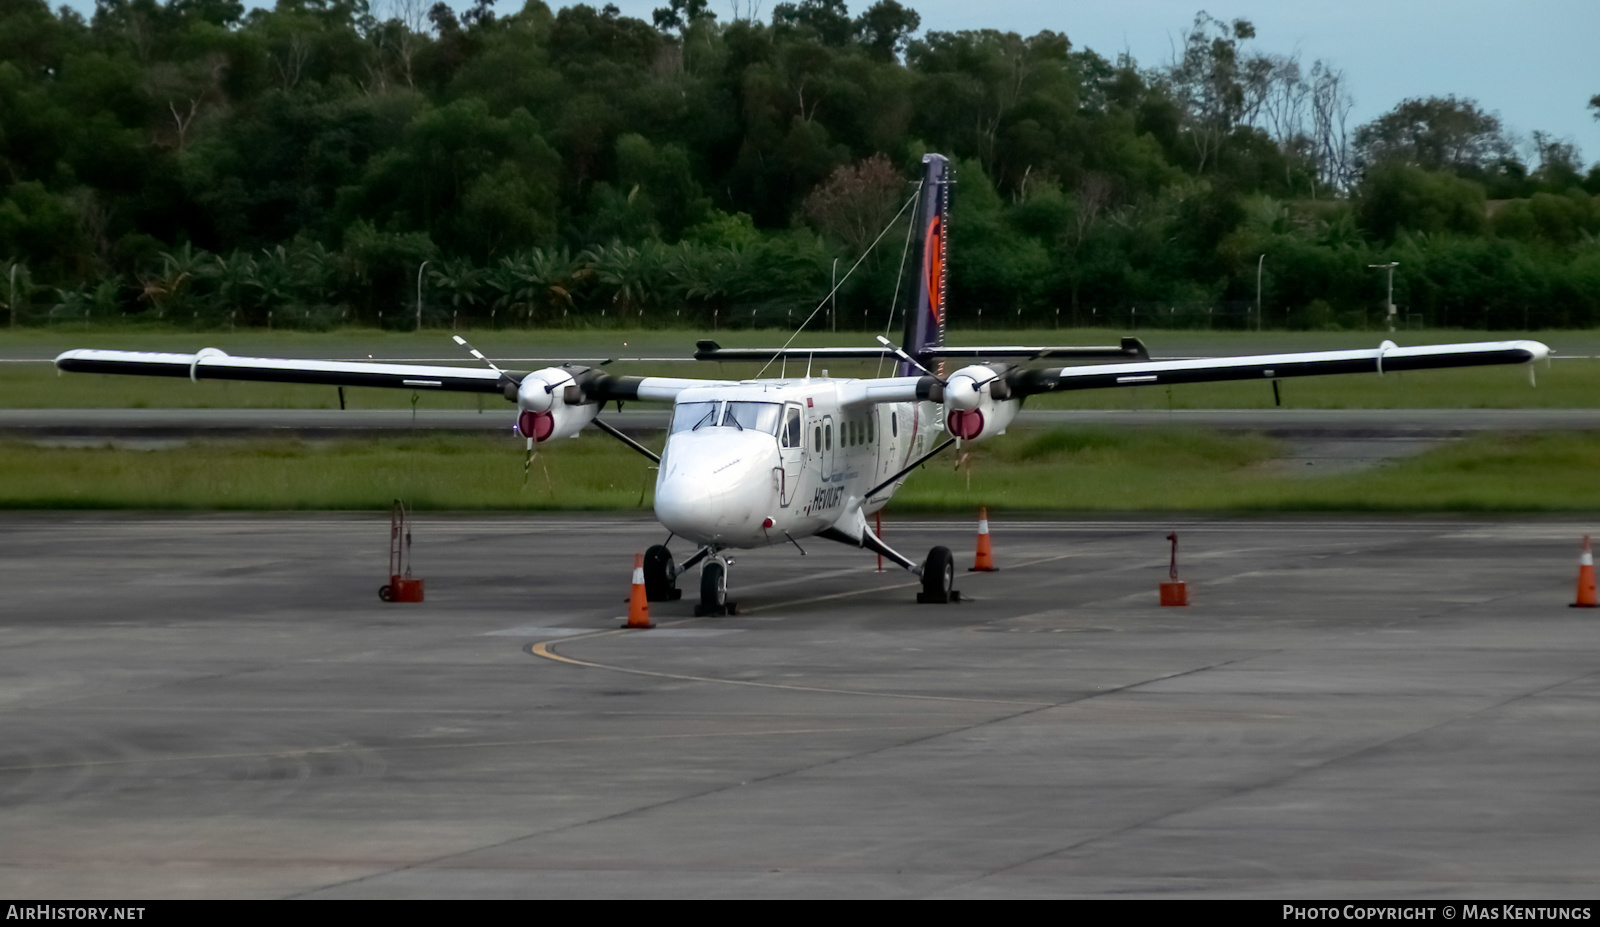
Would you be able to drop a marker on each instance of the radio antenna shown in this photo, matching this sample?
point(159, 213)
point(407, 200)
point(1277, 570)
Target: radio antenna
point(824, 302)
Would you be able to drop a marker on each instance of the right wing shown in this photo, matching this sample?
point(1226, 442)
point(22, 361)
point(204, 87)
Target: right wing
point(214, 364)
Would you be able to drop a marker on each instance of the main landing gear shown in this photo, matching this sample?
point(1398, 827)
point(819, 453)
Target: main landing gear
point(938, 572)
point(938, 578)
point(660, 575)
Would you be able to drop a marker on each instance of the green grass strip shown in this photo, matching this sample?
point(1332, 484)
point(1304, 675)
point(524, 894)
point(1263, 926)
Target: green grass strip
point(1061, 470)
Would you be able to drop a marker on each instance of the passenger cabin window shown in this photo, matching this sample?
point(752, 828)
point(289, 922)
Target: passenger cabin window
point(816, 440)
point(894, 426)
point(791, 427)
point(827, 436)
point(753, 416)
point(687, 416)
point(870, 417)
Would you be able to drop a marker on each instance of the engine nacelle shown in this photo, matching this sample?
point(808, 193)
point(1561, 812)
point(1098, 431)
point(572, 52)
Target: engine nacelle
point(543, 409)
point(977, 403)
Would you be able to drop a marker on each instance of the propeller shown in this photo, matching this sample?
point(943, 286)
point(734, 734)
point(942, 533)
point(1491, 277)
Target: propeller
point(527, 463)
point(479, 355)
point(898, 352)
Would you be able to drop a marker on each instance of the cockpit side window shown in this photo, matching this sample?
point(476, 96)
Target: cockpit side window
point(791, 427)
point(687, 416)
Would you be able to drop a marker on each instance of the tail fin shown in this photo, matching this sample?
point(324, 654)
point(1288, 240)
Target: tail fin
point(925, 318)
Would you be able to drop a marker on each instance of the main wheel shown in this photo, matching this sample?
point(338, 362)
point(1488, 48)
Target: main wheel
point(660, 575)
point(938, 576)
point(713, 589)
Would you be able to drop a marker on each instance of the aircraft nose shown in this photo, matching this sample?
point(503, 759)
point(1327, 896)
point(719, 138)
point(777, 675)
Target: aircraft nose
point(687, 506)
point(717, 487)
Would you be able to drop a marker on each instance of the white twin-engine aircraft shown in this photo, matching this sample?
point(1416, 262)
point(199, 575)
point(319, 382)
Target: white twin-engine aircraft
point(764, 462)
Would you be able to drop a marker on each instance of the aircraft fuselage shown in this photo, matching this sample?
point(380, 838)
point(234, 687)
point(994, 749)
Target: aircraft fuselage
point(769, 460)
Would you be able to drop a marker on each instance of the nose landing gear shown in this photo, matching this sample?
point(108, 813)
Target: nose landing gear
point(714, 590)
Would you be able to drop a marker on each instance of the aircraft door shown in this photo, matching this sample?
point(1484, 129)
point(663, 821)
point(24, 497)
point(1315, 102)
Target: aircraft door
point(827, 448)
point(791, 449)
point(889, 428)
point(878, 441)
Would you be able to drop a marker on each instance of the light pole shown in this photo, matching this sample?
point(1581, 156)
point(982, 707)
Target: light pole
point(833, 296)
point(1259, 264)
point(1390, 267)
point(419, 295)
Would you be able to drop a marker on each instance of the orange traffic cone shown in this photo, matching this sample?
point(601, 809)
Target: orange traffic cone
point(1174, 593)
point(985, 560)
point(638, 605)
point(1586, 598)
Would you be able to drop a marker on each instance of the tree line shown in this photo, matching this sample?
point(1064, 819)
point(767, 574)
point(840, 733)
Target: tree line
point(329, 162)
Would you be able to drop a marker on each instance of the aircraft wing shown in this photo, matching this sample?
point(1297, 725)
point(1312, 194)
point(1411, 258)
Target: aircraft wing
point(214, 364)
point(1386, 358)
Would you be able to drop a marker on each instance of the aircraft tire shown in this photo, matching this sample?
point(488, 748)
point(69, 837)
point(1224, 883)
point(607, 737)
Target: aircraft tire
point(660, 575)
point(938, 576)
point(713, 590)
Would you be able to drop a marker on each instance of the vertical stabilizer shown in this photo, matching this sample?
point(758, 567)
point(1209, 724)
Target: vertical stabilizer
point(925, 319)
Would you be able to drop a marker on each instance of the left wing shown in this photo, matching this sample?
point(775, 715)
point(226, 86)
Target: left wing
point(1387, 357)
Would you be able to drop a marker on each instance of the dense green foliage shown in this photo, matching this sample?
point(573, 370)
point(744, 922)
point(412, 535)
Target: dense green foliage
point(295, 167)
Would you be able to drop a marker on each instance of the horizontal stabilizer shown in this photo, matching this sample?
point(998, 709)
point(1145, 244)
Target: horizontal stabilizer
point(1130, 349)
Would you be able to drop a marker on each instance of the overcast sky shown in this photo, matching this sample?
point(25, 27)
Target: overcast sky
point(1535, 62)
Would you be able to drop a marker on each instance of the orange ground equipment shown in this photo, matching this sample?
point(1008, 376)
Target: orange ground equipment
point(1174, 593)
point(401, 587)
point(985, 560)
point(1586, 598)
point(638, 604)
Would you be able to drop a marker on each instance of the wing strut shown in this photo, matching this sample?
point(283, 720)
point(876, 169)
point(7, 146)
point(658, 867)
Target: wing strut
point(908, 468)
point(605, 427)
point(870, 541)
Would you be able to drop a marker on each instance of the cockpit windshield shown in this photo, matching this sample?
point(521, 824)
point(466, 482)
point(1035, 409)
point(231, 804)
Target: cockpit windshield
point(753, 416)
point(687, 416)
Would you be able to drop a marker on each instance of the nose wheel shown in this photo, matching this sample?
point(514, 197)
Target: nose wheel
point(714, 590)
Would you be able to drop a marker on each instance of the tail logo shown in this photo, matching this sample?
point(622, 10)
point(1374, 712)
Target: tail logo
point(932, 247)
